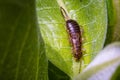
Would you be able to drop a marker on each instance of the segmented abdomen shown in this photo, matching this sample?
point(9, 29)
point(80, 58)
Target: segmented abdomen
point(75, 37)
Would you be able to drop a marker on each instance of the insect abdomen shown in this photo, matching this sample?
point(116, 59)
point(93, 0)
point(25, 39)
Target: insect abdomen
point(75, 37)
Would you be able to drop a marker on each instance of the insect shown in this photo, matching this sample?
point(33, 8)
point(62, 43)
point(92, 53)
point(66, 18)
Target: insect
point(74, 32)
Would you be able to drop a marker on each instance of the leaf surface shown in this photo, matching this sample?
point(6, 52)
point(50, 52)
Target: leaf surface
point(105, 66)
point(21, 57)
point(91, 16)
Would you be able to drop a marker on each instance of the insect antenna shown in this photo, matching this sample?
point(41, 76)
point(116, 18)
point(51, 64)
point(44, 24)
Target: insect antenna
point(64, 14)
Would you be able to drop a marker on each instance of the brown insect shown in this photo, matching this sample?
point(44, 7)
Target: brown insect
point(74, 32)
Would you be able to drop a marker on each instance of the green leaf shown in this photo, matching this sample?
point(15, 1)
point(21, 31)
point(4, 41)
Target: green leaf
point(57, 73)
point(90, 14)
point(104, 65)
point(94, 73)
point(116, 75)
point(21, 57)
point(113, 21)
point(116, 5)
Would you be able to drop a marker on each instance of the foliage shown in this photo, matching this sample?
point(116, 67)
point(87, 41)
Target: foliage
point(34, 43)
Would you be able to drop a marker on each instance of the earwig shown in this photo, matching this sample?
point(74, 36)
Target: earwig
point(74, 32)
